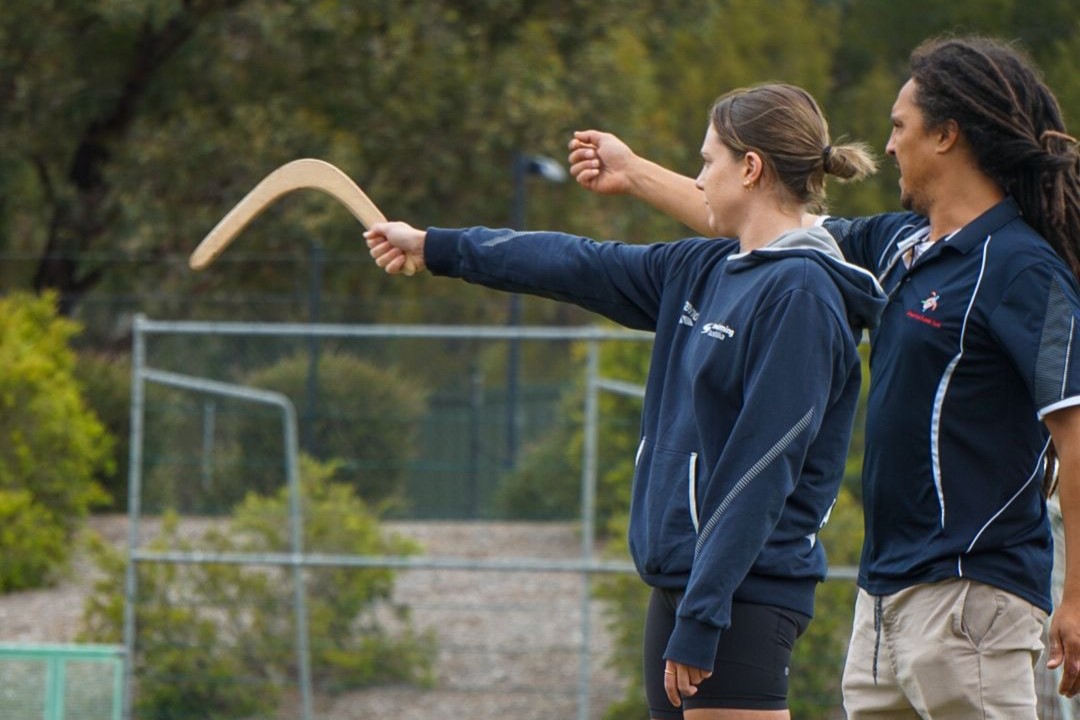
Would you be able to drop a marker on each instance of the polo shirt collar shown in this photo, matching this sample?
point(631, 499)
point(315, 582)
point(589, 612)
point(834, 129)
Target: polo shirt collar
point(975, 232)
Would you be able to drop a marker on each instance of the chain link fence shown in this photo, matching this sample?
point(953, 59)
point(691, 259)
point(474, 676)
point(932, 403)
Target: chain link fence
point(206, 430)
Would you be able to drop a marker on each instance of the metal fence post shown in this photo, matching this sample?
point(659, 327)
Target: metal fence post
point(138, 361)
point(588, 526)
point(296, 520)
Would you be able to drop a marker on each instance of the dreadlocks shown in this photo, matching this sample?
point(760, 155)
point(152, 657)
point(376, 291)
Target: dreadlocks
point(1014, 126)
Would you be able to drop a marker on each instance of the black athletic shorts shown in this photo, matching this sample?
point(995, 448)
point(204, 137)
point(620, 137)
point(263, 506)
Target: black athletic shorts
point(752, 657)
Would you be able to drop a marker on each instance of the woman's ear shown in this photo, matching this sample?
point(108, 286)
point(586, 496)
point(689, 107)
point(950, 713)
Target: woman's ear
point(753, 169)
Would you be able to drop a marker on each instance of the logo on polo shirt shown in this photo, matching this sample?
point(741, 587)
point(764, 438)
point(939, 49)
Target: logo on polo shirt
point(930, 303)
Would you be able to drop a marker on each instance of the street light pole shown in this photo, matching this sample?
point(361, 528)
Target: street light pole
point(550, 170)
point(311, 388)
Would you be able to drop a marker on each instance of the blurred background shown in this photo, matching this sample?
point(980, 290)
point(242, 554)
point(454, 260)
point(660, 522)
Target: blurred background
point(128, 128)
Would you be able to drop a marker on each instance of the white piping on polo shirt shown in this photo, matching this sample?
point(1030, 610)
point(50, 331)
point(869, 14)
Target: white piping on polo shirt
point(902, 246)
point(943, 387)
point(1068, 356)
point(1059, 405)
point(1031, 478)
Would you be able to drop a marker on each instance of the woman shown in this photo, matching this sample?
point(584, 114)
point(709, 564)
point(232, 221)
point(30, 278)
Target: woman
point(749, 400)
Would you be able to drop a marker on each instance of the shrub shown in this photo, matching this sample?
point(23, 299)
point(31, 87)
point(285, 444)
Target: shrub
point(365, 418)
point(818, 660)
point(548, 483)
point(348, 639)
point(51, 445)
point(106, 386)
point(626, 599)
point(32, 545)
point(219, 640)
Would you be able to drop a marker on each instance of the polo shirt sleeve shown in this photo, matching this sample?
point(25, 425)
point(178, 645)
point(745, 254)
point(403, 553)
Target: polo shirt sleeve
point(870, 242)
point(1036, 322)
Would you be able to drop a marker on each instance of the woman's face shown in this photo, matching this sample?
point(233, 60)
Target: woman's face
point(722, 179)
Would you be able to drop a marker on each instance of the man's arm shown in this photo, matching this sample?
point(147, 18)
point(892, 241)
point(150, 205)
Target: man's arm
point(1064, 428)
point(604, 164)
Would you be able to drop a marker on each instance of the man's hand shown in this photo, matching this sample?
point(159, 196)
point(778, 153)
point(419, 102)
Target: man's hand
point(601, 162)
point(1064, 426)
point(604, 164)
point(1065, 645)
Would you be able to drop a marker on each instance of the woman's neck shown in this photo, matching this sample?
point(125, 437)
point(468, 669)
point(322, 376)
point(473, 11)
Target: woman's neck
point(764, 227)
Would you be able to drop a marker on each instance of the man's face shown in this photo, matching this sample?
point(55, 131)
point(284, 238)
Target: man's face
point(913, 149)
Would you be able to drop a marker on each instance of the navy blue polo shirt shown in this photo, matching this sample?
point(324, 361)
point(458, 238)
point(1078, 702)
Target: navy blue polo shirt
point(975, 347)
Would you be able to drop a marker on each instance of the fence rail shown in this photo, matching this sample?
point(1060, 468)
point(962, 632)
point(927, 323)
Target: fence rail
point(61, 682)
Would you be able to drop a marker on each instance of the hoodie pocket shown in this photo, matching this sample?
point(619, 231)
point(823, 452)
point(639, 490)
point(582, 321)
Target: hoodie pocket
point(664, 512)
point(691, 485)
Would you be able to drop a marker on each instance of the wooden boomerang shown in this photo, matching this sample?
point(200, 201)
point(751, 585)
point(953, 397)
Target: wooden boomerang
point(298, 174)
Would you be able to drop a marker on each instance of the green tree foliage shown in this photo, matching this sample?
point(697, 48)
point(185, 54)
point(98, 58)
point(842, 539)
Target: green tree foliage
point(52, 445)
point(216, 640)
point(128, 129)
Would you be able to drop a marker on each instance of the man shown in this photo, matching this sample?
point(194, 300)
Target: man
point(973, 374)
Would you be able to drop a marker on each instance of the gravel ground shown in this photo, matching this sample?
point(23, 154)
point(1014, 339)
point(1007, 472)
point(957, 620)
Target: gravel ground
point(508, 642)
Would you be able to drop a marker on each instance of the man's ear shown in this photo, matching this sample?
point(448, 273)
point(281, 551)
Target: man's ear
point(948, 135)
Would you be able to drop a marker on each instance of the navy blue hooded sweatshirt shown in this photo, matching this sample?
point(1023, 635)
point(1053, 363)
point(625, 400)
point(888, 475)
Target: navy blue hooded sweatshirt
point(749, 401)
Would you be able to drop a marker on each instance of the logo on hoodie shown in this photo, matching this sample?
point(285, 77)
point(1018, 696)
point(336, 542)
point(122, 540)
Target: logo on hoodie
point(689, 315)
point(720, 331)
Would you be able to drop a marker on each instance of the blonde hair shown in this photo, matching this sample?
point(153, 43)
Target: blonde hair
point(785, 126)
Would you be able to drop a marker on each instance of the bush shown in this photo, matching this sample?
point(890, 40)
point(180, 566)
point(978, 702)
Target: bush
point(348, 641)
point(365, 418)
point(32, 546)
point(205, 453)
point(626, 600)
point(51, 446)
point(548, 483)
point(219, 640)
point(818, 660)
point(106, 386)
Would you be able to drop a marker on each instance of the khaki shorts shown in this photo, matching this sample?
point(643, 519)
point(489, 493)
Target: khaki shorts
point(953, 650)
